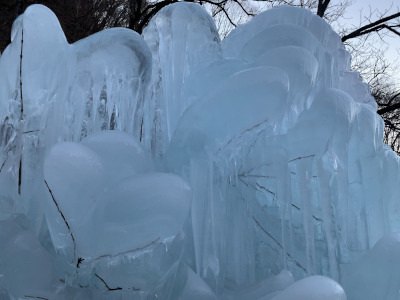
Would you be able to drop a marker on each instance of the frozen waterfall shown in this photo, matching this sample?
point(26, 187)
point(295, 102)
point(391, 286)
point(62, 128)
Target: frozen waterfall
point(174, 165)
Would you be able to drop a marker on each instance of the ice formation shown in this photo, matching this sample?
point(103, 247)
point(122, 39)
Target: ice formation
point(175, 166)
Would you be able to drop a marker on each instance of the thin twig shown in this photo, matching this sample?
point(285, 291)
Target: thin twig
point(141, 131)
point(35, 297)
point(265, 189)
point(105, 283)
point(242, 133)
point(62, 215)
point(30, 131)
point(20, 77)
point(267, 233)
point(22, 109)
point(4, 162)
point(280, 246)
point(314, 217)
point(301, 157)
point(129, 251)
point(20, 175)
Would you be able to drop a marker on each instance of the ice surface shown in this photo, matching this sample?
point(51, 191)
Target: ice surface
point(313, 288)
point(104, 196)
point(180, 38)
point(26, 266)
point(376, 274)
point(175, 166)
point(265, 289)
point(122, 155)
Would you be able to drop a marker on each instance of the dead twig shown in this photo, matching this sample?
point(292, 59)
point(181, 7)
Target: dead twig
point(105, 283)
point(4, 162)
point(35, 297)
point(129, 251)
point(279, 244)
point(301, 157)
point(63, 217)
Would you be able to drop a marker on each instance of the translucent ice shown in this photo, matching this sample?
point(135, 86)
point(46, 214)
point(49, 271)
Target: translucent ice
point(376, 275)
point(122, 155)
point(74, 175)
point(173, 165)
point(104, 203)
point(313, 288)
point(26, 266)
point(180, 37)
point(142, 209)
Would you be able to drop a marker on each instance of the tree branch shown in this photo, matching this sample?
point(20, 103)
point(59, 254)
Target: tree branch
point(370, 27)
point(388, 109)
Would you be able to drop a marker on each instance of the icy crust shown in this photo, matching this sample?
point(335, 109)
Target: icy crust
point(176, 166)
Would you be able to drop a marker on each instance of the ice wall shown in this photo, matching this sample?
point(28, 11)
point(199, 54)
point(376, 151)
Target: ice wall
point(173, 165)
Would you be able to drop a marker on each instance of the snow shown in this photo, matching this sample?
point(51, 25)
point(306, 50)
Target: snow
point(175, 166)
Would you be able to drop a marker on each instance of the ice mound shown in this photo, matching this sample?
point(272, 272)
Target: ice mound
point(313, 288)
point(376, 274)
point(175, 166)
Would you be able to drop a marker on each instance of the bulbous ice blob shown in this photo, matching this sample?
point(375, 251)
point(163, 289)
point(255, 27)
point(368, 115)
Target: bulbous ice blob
point(238, 38)
point(266, 288)
point(181, 36)
point(376, 275)
point(275, 129)
point(299, 63)
point(246, 99)
point(121, 154)
point(140, 210)
point(313, 288)
point(207, 76)
point(74, 172)
point(27, 267)
point(351, 83)
point(74, 175)
point(43, 69)
point(277, 36)
point(109, 89)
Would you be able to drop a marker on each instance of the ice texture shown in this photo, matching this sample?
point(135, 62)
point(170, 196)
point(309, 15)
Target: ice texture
point(376, 275)
point(313, 288)
point(180, 38)
point(174, 165)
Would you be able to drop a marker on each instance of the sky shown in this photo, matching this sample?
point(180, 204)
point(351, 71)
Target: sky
point(361, 8)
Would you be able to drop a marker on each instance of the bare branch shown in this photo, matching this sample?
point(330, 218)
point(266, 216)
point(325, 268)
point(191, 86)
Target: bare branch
point(65, 220)
point(279, 244)
point(5, 160)
point(35, 297)
point(22, 110)
point(129, 251)
point(105, 283)
point(301, 157)
point(369, 28)
point(30, 131)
